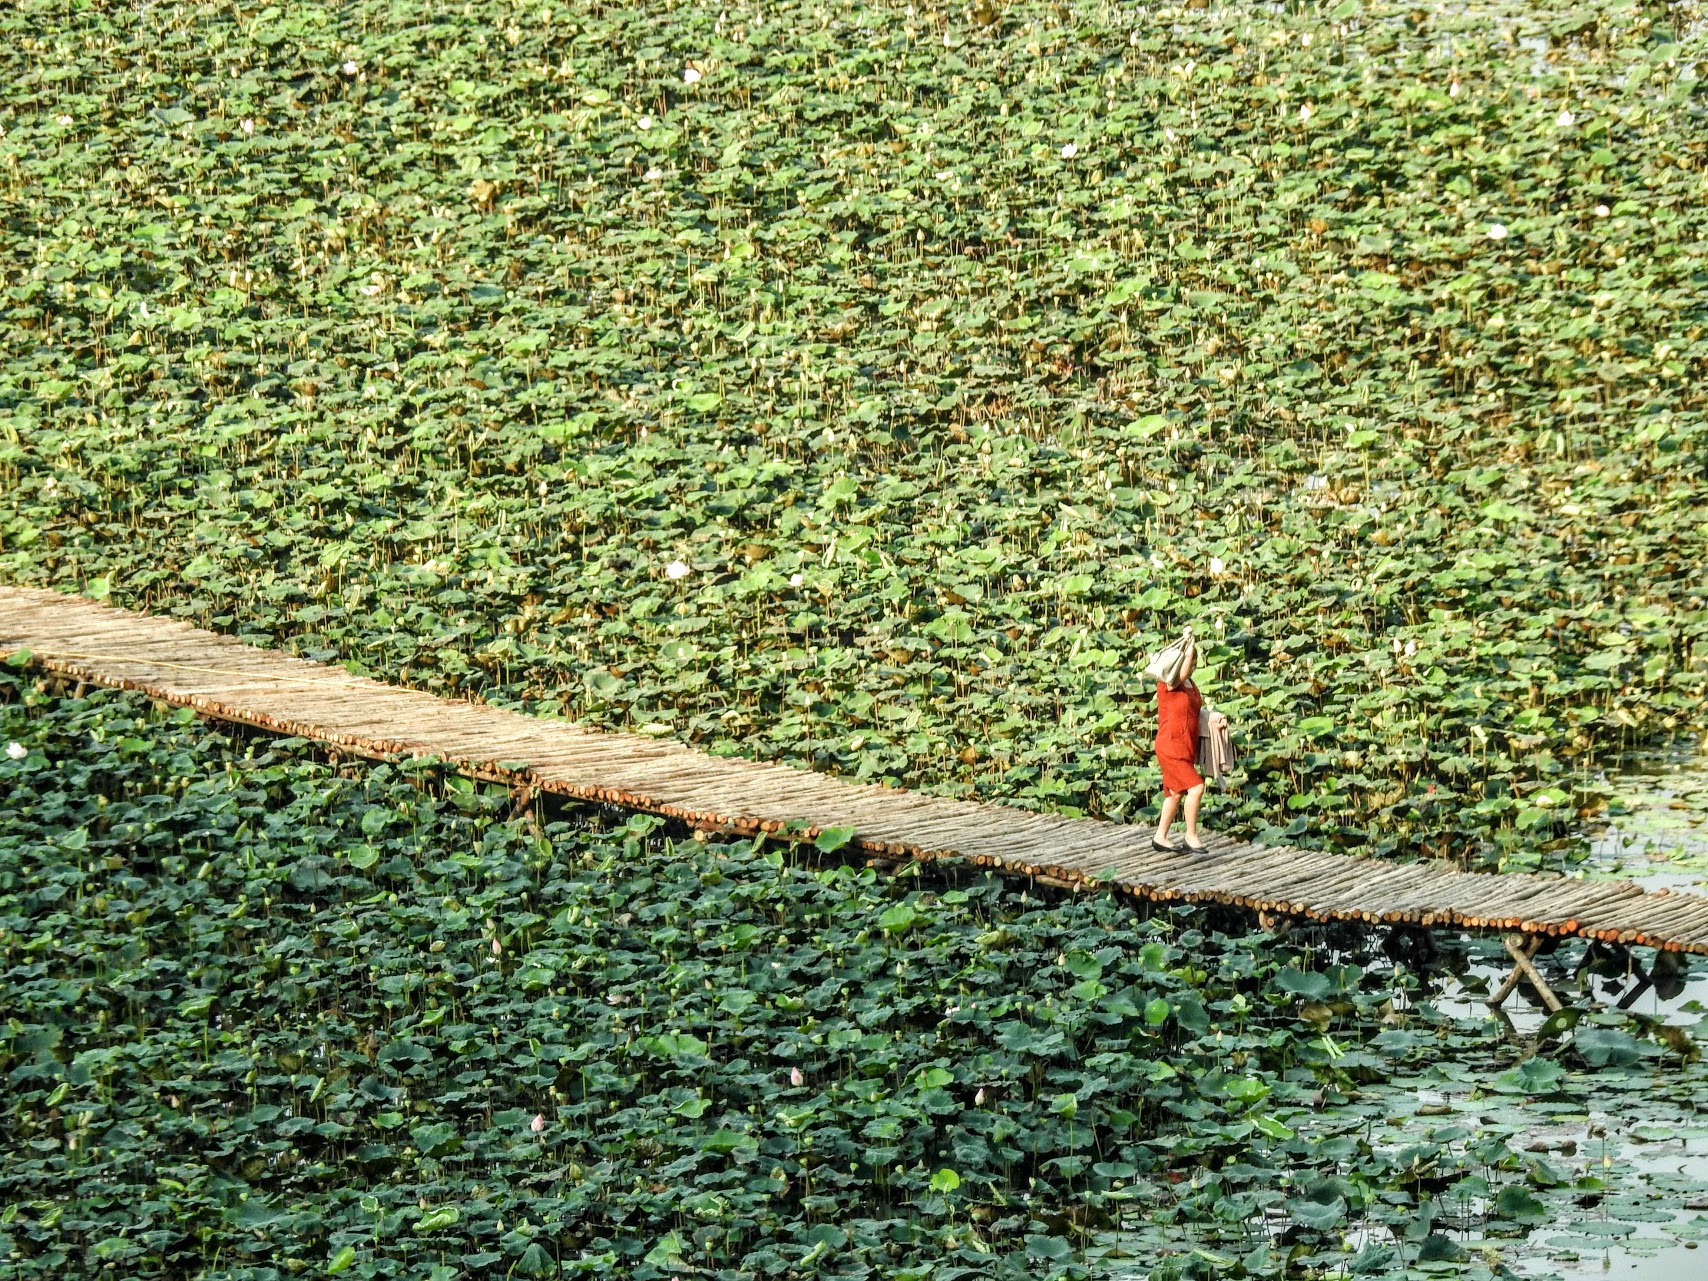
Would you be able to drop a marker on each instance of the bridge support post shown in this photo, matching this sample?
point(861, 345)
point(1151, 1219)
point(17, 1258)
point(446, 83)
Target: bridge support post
point(1523, 952)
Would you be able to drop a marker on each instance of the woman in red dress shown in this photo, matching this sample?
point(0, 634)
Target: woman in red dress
point(1177, 709)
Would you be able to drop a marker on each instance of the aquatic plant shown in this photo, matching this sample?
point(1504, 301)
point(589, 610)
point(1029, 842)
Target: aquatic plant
point(869, 386)
point(267, 1016)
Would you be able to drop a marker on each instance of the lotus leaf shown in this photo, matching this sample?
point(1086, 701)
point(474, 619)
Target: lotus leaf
point(869, 389)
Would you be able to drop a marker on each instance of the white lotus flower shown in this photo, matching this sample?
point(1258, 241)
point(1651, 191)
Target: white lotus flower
point(1304, 111)
point(943, 175)
point(978, 1099)
point(1411, 649)
point(350, 67)
point(795, 580)
point(64, 120)
point(1453, 90)
point(1217, 565)
point(16, 751)
point(1601, 211)
point(543, 490)
point(644, 123)
point(1564, 120)
point(248, 128)
point(1497, 231)
point(1316, 482)
point(690, 75)
point(676, 569)
point(653, 175)
point(1070, 151)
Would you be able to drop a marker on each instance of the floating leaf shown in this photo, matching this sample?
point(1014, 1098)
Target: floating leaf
point(1606, 1047)
point(1320, 1216)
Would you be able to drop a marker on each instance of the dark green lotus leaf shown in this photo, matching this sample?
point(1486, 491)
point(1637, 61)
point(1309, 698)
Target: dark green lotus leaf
point(1606, 1047)
point(1437, 1248)
point(1308, 984)
point(1319, 1216)
point(1521, 1206)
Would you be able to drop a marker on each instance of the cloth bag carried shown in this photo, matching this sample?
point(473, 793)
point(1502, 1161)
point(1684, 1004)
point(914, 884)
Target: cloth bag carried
point(1166, 663)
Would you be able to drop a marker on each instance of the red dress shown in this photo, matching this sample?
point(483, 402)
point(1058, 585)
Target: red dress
point(1177, 736)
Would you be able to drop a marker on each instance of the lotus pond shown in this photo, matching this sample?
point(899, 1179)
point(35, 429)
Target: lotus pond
point(866, 386)
point(266, 1015)
point(869, 386)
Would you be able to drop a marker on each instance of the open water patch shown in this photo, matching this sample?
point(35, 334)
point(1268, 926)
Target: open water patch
point(1655, 828)
point(1650, 1221)
point(1625, 1179)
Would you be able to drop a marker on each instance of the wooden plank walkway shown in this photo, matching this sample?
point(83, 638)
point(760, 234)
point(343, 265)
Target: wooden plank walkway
point(226, 679)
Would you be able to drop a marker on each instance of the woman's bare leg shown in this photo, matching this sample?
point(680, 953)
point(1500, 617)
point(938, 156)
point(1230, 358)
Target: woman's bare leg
point(1194, 798)
point(1170, 805)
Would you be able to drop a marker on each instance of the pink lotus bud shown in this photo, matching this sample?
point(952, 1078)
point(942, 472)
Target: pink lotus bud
point(978, 1099)
point(538, 1123)
point(497, 948)
point(795, 1077)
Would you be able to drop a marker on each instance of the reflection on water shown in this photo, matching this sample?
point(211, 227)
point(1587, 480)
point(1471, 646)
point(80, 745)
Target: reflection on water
point(1661, 1240)
point(1679, 1000)
point(1654, 832)
point(1618, 1165)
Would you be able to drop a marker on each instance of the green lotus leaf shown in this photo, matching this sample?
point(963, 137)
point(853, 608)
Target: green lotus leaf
point(437, 1219)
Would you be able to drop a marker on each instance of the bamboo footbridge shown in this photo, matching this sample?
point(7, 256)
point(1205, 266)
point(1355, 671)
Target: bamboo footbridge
point(226, 679)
